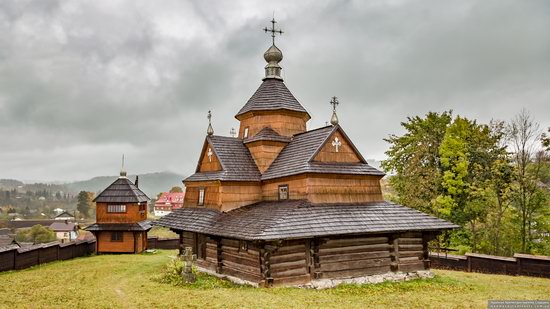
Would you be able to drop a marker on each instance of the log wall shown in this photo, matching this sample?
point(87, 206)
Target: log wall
point(289, 264)
point(348, 257)
point(294, 262)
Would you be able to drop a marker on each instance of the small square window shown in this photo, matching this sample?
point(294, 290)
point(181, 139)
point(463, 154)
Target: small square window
point(116, 236)
point(201, 197)
point(283, 192)
point(116, 208)
point(243, 246)
point(245, 133)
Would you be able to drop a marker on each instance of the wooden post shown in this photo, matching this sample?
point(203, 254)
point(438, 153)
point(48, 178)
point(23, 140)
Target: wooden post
point(469, 260)
point(219, 255)
point(180, 247)
point(266, 251)
point(393, 240)
point(316, 273)
point(425, 250)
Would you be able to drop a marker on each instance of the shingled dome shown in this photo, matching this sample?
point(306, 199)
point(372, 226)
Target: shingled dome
point(272, 95)
point(122, 191)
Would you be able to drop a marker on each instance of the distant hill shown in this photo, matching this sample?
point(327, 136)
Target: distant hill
point(150, 183)
point(10, 184)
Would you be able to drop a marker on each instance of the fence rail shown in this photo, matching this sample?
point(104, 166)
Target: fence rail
point(15, 257)
point(162, 243)
point(520, 264)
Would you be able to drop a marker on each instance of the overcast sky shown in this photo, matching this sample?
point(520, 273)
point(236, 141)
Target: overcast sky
point(82, 82)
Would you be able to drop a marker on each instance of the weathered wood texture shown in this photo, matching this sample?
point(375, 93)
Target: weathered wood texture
point(285, 123)
point(20, 258)
point(297, 188)
point(326, 188)
point(234, 194)
point(105, 245)
point(209, 164)
point(289, 263)
point(265, 152)
point(345, 152)
point(348, 257)
point(242, 263)
point(410, 252)
point(212, 197)
point(133, 214)
point(520, 264)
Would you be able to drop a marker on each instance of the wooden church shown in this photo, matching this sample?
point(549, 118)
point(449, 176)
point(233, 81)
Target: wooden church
point(280, 204)
point(121, 218)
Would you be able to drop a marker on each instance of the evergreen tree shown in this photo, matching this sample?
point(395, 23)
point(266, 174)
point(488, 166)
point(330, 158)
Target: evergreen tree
point(84, 203)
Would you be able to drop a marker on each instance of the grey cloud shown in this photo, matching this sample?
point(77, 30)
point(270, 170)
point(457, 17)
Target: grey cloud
point(82, 82)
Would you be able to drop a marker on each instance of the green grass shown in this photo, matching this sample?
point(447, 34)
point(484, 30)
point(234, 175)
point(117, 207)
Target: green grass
point(132, 281)
point(161, 232)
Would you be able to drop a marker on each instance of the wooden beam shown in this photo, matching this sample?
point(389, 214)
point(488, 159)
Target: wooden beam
point(219, 255)
point(393, 241)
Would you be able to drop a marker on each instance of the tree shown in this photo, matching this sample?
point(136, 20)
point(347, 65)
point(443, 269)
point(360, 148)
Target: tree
point(414, 158)
point(37, 234)
point(84, 203)
point(545, 139)
point(523, 131)
point(177, 189)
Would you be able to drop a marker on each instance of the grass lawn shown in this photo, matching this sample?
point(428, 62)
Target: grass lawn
point(129, 281)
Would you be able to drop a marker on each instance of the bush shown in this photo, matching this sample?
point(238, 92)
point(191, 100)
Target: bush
point(37, 234)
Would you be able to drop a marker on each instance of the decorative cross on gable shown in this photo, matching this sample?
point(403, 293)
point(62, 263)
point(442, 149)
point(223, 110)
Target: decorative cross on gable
point(209, 153)
point(336, 143)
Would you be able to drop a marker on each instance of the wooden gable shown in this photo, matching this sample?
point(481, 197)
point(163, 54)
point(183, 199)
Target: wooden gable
point(209, 161)
point(338, 148)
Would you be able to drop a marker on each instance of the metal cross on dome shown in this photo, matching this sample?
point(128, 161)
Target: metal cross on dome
point(334, 102)
point(336, 143)
point(209, 153)
point(273, 30)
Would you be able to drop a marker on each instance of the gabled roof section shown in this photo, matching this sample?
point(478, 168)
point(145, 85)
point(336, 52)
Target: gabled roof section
point(267, 134)
point(301, 219)
point(122, 191)
point(272, 95)
point(297, 157)
point(237, 162)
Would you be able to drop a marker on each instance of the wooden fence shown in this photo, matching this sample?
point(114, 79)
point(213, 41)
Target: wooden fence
point(162, 243)
point(14, 257)
point(520, 264)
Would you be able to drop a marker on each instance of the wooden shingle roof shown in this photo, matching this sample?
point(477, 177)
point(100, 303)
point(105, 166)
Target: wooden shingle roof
point(272, 95)
point(132, 227)
point(267, 134)
point(296, 157)
point(301, 219)
point(121, 191)
point(236, 161)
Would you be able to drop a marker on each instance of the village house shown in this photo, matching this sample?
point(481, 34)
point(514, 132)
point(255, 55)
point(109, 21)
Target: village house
point(65, 215)
point(65, 231)
point(121, 218)
point(280, 204)
point(168, 202)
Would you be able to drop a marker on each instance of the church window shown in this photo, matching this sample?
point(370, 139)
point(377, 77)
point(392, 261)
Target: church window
point(245, 133)
point(283, 192)
point(116, 236)
point(201, 197)
point(116, 208)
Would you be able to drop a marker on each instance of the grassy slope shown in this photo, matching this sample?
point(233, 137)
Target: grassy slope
point(127, 281)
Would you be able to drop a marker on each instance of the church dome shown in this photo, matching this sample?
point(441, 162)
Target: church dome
point(273, 54)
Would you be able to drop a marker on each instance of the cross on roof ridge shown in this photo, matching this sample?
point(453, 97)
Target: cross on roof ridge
point(273, 30)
